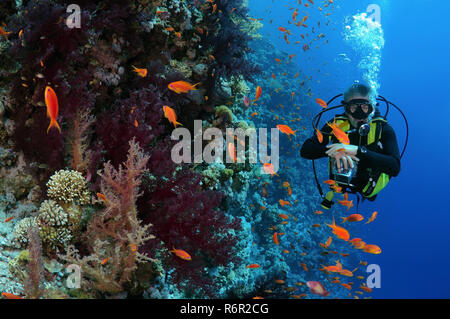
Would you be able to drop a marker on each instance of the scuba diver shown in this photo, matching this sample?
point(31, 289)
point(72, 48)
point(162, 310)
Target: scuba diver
point(372, 157)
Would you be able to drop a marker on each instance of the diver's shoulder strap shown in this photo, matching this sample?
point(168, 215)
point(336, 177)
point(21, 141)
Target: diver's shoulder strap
point(376, 128)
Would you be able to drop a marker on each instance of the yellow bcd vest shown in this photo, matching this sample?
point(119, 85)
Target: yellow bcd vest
point(377, 183)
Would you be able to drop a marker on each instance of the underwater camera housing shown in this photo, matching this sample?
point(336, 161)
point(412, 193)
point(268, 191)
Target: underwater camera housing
point(345, 176)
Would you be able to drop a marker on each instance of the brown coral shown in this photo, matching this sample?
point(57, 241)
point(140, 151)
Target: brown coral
point(115, 234)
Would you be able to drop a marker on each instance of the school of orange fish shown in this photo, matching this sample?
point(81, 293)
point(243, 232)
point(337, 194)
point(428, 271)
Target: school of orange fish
point(179, 87)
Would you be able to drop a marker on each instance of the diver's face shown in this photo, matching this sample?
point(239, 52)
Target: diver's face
point(365, 108)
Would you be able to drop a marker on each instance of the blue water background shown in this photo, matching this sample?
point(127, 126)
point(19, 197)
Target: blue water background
point(412, 227)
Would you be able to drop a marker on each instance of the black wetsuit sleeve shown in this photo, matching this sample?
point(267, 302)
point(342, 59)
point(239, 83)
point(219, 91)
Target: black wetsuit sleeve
point(312, 148)
point(388, 161)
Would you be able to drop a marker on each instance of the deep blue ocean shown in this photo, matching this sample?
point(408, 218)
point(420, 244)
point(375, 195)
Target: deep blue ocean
point(414, 214)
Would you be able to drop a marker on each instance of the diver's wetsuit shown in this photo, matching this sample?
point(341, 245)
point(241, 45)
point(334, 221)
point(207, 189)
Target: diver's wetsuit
point(385, 159)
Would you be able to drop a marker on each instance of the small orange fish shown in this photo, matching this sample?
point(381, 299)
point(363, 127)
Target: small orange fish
point(339, 133)
point(102, 197)
point(9, 219)
point(269, 169)
point(347, 286)
point(257, 93)
point(4, 33)
point(141, 72)
point(329, 182)
point(305, 268)
point(51, 101)
point(319, 136)
point(182, 254)
point(275, 238)
point(286, 129)
point(104, 261)
point(170, 114)
point(284, 216)
point(365, 288)
point(279, 281)
point(232, 151)
point(214, 8)
point(322, 103)
point(346, 203)
point(8, 295)
point(182, 87)
point(284, 202)
point(340, 232)
point(136, 123)
point(372, 249)
point(372, 218)
point(347, 273)
point(352, 218)
point(252, 266)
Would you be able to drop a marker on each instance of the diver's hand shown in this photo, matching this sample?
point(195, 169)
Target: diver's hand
point(343, 153)
point(345, 159)
point(350, 150)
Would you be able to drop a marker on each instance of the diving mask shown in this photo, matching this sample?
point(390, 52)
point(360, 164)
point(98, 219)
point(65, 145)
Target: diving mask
point(360, 109)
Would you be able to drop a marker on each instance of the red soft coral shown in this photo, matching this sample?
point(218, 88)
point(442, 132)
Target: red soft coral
point(186, 217)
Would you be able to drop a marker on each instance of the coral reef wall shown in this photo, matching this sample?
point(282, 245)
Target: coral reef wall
point(103, 195)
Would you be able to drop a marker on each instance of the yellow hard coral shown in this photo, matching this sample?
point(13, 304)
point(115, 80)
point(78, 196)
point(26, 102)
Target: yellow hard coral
point(53, 223)
point(68, 186)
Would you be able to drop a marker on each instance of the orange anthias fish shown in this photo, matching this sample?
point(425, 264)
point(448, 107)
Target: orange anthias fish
point(340, 232)
point(365, 288)
point(9, 219)
point(252, 266)
point(352, 218)
point(339, 133)
point(232, 151)
point(181, 253)
point(275, 239)
point(336, 268)
point(102, 197)
point(257, 93)
point(372, 249)
point(372, 218)
point(104, 261)
point(327, 244)
point(322, 103)
point(269, 169)
point(170, 114)
point(319, 136)
point(286, 129)
point(346, 203)
point(51, 101)
point(141, 72)
point(4, 33)
point(182, 87)
point(8, 295)
point(347, 273)
point(284, 202)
